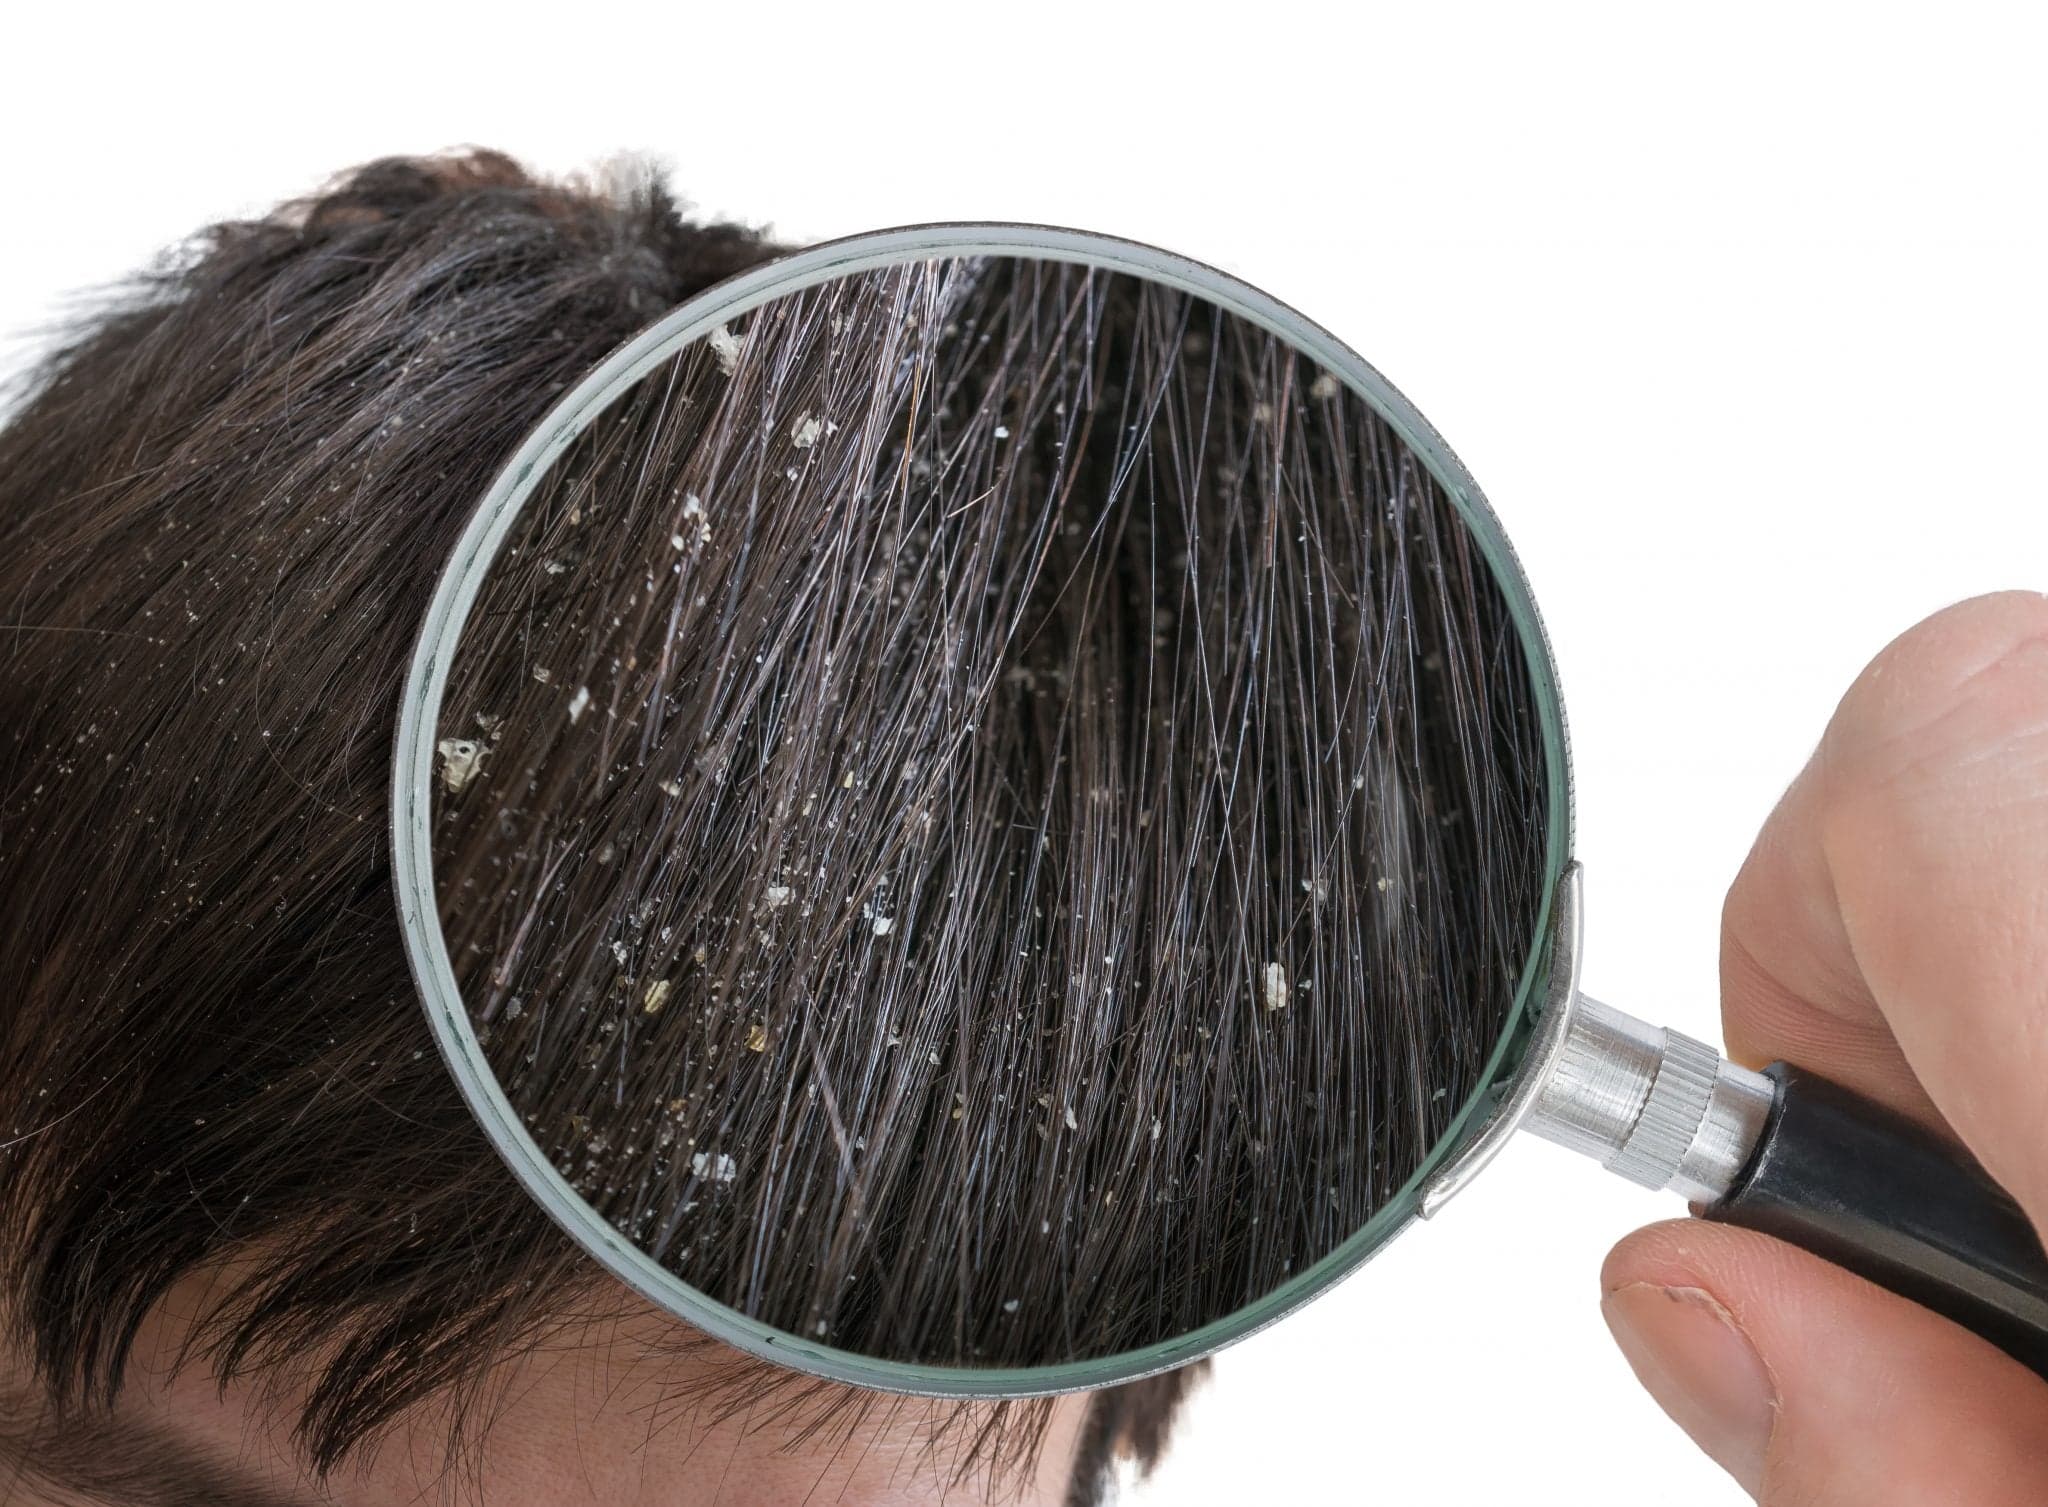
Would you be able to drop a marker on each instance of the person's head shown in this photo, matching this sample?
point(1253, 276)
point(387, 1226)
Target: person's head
point(996, 775)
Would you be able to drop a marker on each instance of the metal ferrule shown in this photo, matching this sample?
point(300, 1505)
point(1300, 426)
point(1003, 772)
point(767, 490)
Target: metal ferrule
point(1656, 1107)
point(1653, 1105)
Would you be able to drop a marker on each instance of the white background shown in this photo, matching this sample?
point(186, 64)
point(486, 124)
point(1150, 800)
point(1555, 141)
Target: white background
point(1737, 314)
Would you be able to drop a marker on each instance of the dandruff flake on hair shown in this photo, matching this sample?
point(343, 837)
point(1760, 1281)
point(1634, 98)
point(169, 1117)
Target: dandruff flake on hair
point(460, 758)
point(714, 1167)
point(725, 345)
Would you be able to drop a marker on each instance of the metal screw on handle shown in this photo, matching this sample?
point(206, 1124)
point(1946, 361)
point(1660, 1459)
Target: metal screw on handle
point(1651, 1105)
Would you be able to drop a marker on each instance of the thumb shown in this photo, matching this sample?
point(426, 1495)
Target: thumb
point(1812, 1386)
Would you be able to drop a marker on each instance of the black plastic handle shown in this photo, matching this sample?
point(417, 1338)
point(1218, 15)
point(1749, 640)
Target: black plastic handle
point(1872, 1191)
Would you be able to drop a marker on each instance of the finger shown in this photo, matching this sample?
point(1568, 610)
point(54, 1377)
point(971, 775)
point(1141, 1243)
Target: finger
point(1811, 1386)
point(1890, 928)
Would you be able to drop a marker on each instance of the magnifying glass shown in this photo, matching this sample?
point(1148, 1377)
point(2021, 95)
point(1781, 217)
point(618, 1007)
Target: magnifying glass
point(984, 810)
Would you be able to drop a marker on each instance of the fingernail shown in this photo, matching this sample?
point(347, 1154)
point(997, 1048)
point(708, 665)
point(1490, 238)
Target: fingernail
point(1688, 1353)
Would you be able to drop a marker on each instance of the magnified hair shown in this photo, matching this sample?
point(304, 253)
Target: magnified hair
point(990, 814)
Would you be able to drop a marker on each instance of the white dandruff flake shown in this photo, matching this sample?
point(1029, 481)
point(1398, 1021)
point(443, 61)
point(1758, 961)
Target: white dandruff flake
point(655, 997)
point(1072, 1123)
point(1324, 386)
point(1383, 884)
point(1002, 433)
point(579, 703)
point(806, 431)
point(725, 345)
point(1276, 987)
point(883, 925)
point(1012, 1305)
point(720, 1168)
point(459, 760)
point(776, 896)
point(1155, 1130)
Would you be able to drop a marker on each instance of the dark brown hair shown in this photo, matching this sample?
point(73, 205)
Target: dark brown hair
point(222, 507)
point(969, 825)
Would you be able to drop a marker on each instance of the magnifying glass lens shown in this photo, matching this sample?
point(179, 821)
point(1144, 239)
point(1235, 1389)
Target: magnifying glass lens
point(988, 813)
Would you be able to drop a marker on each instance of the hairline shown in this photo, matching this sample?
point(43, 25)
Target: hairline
point(113, 1458)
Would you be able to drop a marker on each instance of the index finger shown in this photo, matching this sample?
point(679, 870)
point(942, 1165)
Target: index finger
point(1890, 927)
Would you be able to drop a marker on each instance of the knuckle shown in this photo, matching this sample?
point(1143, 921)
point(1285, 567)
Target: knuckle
point(1968, 679)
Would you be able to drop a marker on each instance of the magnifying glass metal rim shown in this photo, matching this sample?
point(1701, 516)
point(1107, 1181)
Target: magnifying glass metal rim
point(1530, 1038)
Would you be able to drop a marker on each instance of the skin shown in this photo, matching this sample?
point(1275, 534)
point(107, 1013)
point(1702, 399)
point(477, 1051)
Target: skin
point(1889, 929)
point(591, 1418)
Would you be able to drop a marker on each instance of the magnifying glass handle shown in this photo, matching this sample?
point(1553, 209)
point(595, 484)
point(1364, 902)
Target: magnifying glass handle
point(1874, 1192)
point(1798, 1157)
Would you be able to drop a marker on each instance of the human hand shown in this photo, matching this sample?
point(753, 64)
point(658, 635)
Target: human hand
point(1889, 930)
